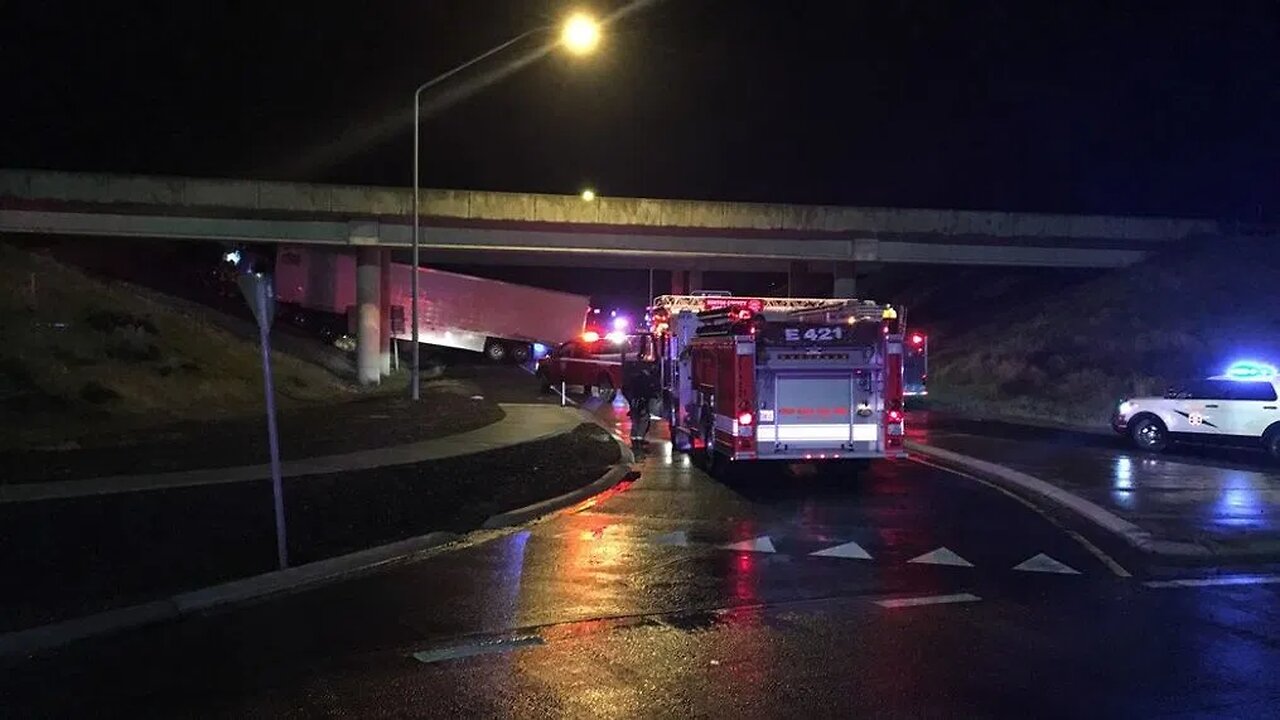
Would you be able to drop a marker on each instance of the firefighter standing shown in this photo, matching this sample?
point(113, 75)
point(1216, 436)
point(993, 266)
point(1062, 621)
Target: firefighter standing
point(640, 386)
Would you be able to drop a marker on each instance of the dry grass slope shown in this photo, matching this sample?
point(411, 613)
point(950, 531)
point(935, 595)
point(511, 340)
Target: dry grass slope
point(1072, 356)
point(81, 354)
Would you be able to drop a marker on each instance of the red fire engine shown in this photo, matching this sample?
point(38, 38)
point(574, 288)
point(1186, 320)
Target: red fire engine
point(748, 379)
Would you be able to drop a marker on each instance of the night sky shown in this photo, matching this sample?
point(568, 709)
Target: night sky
point(1137, 107)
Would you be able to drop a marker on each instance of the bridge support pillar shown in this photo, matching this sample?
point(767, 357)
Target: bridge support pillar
point(368, 300)
point(384, 311)
point(798, 279)
point(846, 280)
point(678, 286)
point(694, 281)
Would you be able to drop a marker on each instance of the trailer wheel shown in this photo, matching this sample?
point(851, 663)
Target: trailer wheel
point(496, 351)
point(520, 353)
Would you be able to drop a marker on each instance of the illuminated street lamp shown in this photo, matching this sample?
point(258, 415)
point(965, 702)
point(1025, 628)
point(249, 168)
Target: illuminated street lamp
point(580, 34)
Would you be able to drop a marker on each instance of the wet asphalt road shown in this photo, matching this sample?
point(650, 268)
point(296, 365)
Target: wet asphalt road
point(1225, 499)
point(677, 595)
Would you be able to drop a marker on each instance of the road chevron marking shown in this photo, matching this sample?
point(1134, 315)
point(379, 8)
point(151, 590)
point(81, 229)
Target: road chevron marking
point(760, 544)
point(1045, 564)
point(851, 550)
point(941, 556)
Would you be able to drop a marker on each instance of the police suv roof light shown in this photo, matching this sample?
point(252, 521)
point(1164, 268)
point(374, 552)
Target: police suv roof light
point(1251, 370)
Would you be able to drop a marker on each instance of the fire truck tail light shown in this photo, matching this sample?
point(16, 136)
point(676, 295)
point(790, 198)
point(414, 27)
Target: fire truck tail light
point(895, 416)
point(746, 418)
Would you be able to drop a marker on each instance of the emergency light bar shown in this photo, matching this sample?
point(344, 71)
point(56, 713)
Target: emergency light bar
point(1251, 370)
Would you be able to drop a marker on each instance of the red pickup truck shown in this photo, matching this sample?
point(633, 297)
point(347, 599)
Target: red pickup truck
point(593, 362)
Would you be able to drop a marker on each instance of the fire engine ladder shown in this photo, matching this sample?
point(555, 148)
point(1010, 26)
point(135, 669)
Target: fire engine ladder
point(718, 322)
point(847, 311)
point(676, 304)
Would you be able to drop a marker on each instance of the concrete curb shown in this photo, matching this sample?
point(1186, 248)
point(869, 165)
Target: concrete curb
point(303, 576)
point(523, 515)
point(48, 637)
point(1099, 516)
point(620, 470)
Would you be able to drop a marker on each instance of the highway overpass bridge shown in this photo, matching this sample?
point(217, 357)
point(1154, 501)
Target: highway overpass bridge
point(528, 228)
point(465, 226)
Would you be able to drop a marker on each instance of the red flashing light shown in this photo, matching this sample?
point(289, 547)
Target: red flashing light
point(591, 336)
point(744, 314)
point(917, 339)
point(746, 418)
point(895, 416)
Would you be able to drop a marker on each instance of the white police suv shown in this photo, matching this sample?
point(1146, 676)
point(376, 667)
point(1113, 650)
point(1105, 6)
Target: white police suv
point(1239, 407)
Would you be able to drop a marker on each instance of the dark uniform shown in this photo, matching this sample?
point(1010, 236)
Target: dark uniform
point(640, 386)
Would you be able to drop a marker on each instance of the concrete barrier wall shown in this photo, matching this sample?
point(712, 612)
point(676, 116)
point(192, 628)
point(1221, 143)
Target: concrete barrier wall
point(349, 200)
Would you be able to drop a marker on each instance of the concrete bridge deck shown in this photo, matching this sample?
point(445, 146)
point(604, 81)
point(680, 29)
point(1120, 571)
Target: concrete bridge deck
point(564, 229)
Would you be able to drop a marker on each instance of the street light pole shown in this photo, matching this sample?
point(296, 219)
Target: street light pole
point(416, 381)
point(580, 34)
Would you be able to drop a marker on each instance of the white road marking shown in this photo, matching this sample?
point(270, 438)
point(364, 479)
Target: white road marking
point(1116, 568)
point(928, 600)
point(1216, 581)
point(678, 537)
point(850, 550)
point(941, 556)
point(1045, 564)
point(760, 544)
point(480, 648)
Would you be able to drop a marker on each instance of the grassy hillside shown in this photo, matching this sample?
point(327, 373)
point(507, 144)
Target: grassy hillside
point(81, 355)
point(1071, 355)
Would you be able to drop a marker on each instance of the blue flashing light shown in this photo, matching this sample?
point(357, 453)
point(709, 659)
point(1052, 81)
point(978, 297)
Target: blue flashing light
point(540, 350)
point(1251, 370)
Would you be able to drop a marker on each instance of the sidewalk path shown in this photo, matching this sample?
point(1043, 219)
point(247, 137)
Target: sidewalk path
point(1228, 503)
point(523, 423)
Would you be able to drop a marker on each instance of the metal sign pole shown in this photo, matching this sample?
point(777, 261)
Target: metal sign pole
point(277, 489)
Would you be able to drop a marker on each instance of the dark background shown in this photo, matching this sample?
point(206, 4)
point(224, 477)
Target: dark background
point(1160, 108)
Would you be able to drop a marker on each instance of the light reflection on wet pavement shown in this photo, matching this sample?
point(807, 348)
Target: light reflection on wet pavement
point(1228, 501)
point(631, 606)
